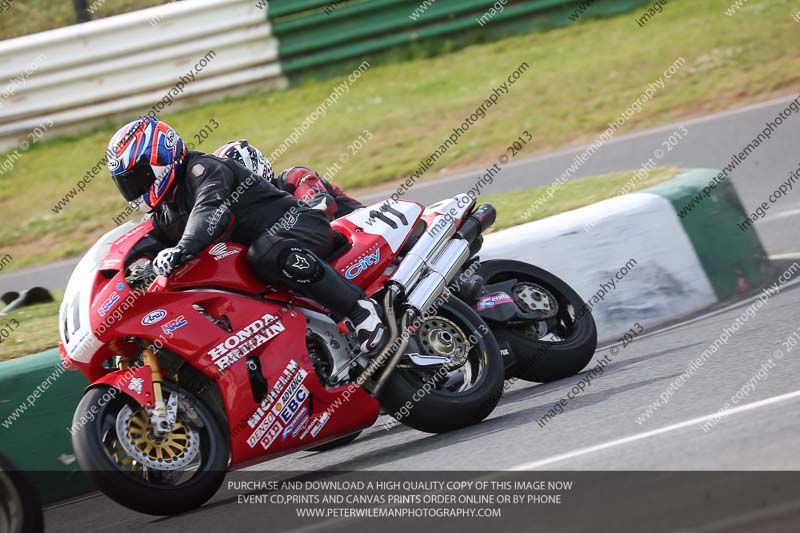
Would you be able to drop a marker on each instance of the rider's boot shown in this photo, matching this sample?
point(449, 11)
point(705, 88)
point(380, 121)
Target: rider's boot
point(365, 319)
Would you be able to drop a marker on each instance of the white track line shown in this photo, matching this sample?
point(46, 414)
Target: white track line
point(777, 217)
point(647, 434)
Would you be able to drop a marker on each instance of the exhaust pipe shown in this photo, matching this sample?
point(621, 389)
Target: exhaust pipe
point(440, 252)
point(428, 246)
point(441, 271)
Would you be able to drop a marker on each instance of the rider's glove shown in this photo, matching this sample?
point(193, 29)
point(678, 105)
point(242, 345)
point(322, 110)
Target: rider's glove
point(169, 259)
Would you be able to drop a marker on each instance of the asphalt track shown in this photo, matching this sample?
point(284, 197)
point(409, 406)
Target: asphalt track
point(598, 429)
point(710, 143)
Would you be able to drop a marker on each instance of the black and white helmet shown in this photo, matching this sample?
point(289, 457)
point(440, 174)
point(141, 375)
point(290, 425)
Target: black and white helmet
point(248, 156)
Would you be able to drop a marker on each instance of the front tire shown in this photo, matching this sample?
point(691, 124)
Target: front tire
point(131, 483)
point(440, 400)
point(574, 339)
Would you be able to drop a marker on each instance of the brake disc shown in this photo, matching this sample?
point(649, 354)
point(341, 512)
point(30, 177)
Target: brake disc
point(173, 452)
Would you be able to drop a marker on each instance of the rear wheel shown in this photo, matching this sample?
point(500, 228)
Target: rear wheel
point(554, 348)
point(455, 395)
point(116, 448)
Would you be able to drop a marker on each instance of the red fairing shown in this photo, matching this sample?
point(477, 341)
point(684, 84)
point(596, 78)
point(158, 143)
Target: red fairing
point(222, 266)
point(374, 246)
point(189, 314)
point(367, 258)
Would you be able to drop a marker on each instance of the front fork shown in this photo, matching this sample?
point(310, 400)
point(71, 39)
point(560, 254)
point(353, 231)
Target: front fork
point(161, 418)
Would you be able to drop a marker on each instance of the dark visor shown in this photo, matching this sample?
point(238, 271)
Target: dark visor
point(133, 183)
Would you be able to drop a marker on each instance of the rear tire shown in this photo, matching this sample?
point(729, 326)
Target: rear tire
point(439, 411)
point(127, 487)
point(537, 360)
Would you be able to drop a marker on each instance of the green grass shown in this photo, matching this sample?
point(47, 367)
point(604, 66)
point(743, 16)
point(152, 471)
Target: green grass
point(512, 207)
point(38, 328)
point(24, 17)
point(581, 77)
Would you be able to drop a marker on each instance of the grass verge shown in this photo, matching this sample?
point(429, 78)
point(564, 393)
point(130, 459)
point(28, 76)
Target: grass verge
point(37, 330)
point(512, 207)
point(38, 325)
point(580, 78)
point(34, 16)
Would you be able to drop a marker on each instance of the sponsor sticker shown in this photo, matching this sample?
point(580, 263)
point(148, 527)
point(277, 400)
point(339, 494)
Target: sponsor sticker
point(489, 302)
point(290, 408)
point(290, 379)
point(135, 231)
point(220, 251)
point(355, 270)
point(291, 388)
point(304, 419)
point(244, 341)
point(260, 430)
point(321, 421)
point(109, 264)
point(293, 427)
point(136, 385)
point(154, 317)
point(316, 425)
point(271, 435)
point(172, 325)
point(108, 304)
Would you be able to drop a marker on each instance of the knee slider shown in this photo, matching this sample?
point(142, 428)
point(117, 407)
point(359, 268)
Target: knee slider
point(300, 266)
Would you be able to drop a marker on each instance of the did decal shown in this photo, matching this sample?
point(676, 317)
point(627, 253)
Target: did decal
point(246, 340)
point(271, 435)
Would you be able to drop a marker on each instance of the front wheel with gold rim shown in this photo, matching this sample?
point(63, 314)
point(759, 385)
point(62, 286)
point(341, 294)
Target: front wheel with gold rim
point(153, 474)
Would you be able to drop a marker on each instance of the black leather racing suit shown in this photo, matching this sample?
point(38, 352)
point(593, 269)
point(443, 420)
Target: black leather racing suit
point(218, 200)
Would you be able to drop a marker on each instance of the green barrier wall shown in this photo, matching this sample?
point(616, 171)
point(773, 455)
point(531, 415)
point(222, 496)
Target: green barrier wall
point(733, 259)
point(38, 440)
point(311, 38)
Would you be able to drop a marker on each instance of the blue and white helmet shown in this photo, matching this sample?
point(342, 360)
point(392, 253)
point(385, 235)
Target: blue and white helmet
point(144, 156)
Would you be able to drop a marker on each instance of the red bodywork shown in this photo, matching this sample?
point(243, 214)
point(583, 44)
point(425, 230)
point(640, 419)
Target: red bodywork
point(298, 411)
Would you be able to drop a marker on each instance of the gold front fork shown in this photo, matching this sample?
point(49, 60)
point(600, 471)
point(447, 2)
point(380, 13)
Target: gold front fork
point(158, 420)
point(151, 360)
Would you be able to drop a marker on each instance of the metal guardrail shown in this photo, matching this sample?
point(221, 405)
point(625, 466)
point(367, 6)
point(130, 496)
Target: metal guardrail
point(128, 63)
point(185, 53)
point(315, 33)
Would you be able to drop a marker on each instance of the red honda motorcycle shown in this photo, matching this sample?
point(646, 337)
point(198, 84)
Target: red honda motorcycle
point(211, 370)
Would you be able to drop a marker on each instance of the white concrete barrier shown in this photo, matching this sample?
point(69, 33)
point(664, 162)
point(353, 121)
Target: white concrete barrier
point(591, 248)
